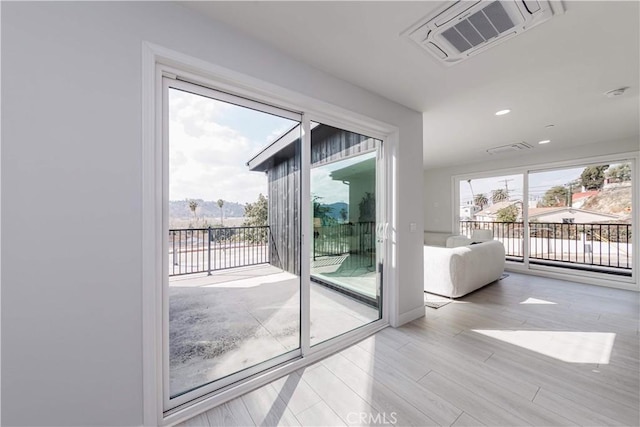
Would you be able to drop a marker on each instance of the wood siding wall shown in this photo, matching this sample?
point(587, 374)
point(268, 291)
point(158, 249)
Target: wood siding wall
point(328, 144)
point(284, 214)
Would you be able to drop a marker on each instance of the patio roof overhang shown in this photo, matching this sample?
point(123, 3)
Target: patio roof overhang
point(281, 149)
point(365, 169)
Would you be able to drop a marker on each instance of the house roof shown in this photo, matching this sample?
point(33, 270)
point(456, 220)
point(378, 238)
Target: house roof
point(493, 209)
point(365, 169)
point(584, 194)
point(282, 147)
point(536, 212)
point(533, 212)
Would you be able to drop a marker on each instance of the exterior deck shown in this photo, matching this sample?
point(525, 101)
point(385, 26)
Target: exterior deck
point(234, 318)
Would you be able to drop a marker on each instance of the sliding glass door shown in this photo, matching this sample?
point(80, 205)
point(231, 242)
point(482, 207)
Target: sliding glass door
point(233, 263)
point(238, 295)
point(345, 284)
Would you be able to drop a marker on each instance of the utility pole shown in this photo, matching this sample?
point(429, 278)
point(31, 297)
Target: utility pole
point(506, 185)
point(473, 197)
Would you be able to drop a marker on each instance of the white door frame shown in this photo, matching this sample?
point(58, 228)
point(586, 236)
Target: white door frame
point(158, 61)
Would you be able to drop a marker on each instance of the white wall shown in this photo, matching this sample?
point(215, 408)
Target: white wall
point(438, 182)
point(71, 195)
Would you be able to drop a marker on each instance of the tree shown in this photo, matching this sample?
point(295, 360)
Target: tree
point(220, 205)
point(508, 214)
point(481, 200)
point(499, 195)
point(193, 205)
point(592, 177)
point(344, 214)
point(367, 207)
point(555, 196)
point(320, 211)
point(256, 214)
point(619, 173)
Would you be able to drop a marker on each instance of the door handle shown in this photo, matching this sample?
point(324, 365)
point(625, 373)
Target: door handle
point(381, 231)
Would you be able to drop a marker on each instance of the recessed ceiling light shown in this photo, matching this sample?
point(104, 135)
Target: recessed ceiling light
point(502, 112)
point(544, 141)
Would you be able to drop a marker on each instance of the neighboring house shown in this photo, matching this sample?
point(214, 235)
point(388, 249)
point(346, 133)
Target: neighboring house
point(490, 213)
point(569, 215)
point(468, 212)
point(578, 199)
point(564, 214)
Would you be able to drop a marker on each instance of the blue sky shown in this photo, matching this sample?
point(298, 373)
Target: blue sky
point(539, 183)
point(209, 144)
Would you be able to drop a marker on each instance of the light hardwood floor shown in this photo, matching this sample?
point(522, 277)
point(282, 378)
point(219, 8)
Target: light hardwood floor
point(522, 351)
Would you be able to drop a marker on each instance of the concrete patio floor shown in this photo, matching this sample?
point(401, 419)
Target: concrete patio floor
point(237, 318)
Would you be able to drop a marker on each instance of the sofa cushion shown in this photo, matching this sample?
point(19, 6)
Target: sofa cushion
point(481, 235)
point(436, 238)
point(456, 241)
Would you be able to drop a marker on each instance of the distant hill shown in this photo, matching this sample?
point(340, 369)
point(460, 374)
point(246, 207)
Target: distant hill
point(180, 209)
point(335, 209)
point(613, 199)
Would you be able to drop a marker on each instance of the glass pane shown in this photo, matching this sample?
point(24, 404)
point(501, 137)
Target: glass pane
point(234, 285)
point(581, 218)
point(344, 281)
point(494, 203)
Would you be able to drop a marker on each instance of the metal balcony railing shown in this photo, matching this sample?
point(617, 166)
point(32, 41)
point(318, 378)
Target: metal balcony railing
point(596, 247)
point(339, 239)
point(203, 250)
point(358, 239)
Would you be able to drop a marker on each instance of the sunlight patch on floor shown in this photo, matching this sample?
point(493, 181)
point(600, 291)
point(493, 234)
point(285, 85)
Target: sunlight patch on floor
point(536, 301)
point(254, 281)
point(572, 347)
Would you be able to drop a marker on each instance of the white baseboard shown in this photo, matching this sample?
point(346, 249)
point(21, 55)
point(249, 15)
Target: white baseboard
point(407, 317)
point(576, 277)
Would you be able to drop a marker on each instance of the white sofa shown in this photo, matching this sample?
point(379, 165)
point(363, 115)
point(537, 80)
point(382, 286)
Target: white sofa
point(456, 271)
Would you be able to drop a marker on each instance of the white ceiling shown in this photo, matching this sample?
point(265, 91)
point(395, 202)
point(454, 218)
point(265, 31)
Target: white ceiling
point(555, 73)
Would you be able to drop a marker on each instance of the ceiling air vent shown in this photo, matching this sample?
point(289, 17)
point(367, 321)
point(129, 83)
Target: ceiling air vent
point(518, 146)
point(461, 29)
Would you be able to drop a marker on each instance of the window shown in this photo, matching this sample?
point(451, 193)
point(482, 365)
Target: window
point(576, 217)
point(494, 203)
point(584, 212)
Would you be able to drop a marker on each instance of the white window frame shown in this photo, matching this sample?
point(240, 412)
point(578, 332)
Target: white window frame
point(595, 278)
point(158, 61)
